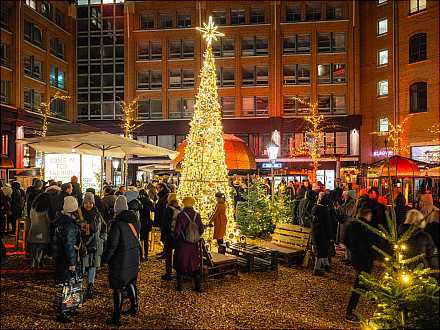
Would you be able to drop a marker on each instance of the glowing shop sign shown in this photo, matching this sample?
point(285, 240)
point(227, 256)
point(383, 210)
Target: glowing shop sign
point(61, 167)
point(270, 165)
point(382, 153)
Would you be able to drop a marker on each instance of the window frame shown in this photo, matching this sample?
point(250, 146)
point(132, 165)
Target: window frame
point(420, 88)
point(418, 10)
point(415, 51)
point(378, 57)
point(379, 88)
point(378, 34)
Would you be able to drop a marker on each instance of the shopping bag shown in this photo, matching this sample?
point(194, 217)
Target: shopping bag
point(70, 295)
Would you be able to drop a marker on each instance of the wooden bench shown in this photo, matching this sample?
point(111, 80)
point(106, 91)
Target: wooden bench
point(216, 264)
point(292, 244)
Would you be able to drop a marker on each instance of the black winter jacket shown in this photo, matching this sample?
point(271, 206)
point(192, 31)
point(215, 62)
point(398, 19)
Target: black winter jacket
point(67, 239)
point(161, 205)
point(123, 251)
point(321, 230)
point(360, 241)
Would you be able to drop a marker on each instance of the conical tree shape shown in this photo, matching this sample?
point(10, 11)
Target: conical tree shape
point(204, 171)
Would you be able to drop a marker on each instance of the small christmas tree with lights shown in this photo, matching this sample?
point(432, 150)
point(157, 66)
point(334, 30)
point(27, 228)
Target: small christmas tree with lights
point(406, 297)
point(204, 170)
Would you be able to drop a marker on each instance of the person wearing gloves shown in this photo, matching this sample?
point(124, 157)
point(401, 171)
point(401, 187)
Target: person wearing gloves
point(219, 219)
point(93, 234)
point(67, 237)
point(123, 257)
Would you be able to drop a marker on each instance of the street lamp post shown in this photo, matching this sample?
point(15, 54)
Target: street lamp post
point(272, 152)
point(115, 163)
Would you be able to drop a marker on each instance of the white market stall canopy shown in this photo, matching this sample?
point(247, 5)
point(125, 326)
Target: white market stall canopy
point(102, 144)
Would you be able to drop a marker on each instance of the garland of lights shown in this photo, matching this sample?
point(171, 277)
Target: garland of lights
point(204, 171)
point(394, 135)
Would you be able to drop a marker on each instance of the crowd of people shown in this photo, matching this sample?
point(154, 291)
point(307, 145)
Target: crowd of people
point(80, 232)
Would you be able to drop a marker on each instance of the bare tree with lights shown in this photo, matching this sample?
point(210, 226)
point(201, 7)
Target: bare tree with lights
point(394, 136)
point(46, 112)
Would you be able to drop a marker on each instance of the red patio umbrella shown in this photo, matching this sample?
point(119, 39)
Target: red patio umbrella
point(400, 167)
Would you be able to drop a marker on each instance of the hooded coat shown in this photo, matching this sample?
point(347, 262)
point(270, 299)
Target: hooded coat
point(95, 239)
point(321, 230)
point(123, 251)
point(161, 205)
point(39, 220)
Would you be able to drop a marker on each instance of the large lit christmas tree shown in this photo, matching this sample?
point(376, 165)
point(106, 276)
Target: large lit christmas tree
point(204, 171)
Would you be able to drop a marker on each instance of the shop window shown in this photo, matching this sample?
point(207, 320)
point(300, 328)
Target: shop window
point(223, 47)
point(293, 13)
point(32, 67)
point(297, 44)
point(313, 11)
point(382, 57)
point(238, 16)
point(418, 97)
point(257, 16)
point(165, 21)
point(151, 79)
point(219, 17)
point(416, 5)
point(382, 88)
point(5, 95)
point(255, 106)
point(296, 74)
point(382, 27)
point(4, 55)
point(33, 34)
point(183, 21)
point(384, 124)
point(417, 48)
point(334, 12)
point(149, 109)
point(228, 106)
point(146, 21)
point(181, 108)
point(57, 47)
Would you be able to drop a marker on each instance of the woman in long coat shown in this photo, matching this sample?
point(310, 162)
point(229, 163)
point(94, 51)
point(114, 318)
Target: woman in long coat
point(39, 228)
point(123, 255)
point(94, 234)
point(186, 256)
point(219, 219)
point(321, 234)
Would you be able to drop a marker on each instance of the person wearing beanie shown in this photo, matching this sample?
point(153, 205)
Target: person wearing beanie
point(108, 202)
point(168, 232)
point(93, 235)
point(66, 239)
point(123, 255)
point(98, 201)
point(186, 256)
point(219, 220)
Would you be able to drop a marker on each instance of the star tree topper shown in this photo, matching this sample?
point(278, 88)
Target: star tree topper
point(210, 31)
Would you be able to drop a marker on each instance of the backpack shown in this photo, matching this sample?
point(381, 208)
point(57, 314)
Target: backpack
point(192, 233)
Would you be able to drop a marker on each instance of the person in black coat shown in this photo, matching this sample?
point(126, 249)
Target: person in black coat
point(18, 200)
point(76, 189)
point(360, 241)
point(123, 255)
point(67, 236)
point(321, 234)
point(145, 219)
point(31, 193)
point(400, 208)
point(168, 230)
point(159, 210)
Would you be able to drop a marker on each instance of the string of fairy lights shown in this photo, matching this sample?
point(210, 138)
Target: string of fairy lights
point(204, 171)
point(46, 112)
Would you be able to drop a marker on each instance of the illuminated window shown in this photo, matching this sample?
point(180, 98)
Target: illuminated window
point(382, 27)
point(416, 6)
point(384, 125)
point(382, 57)
point(382, 88)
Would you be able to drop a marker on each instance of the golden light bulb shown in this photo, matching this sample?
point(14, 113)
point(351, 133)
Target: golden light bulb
point(405, 278)
point(403, 246)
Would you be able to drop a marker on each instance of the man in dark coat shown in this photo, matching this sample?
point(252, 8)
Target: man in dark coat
point(360, 241)
point(67, 237)
point(123, 255)
point(145, 220)
point(321, 234)
point(18, 200)
point(159, 210)
point(53, 191)
point(187, 256)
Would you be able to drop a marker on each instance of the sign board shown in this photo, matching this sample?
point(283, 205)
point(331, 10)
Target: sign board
point(427, 154)
point(91, 171)
point(270, 165)
point(61, 167)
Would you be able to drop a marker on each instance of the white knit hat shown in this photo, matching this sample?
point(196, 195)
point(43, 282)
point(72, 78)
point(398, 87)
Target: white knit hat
point(70, 204)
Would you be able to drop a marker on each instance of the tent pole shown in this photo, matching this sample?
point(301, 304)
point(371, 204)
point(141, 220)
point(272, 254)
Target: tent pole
point(102, 169)
point(81, 171)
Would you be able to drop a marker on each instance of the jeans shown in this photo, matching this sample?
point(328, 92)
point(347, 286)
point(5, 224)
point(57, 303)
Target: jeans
point(320, 264)
point(91, 274)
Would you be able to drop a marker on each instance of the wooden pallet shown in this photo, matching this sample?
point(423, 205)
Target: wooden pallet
point(216, 265)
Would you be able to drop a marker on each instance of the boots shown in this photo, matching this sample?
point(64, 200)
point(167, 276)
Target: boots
point(90, 291)
point(117, 305)
point(198, 281)
point(179, 280)
point(134, 300)
point(62, 318)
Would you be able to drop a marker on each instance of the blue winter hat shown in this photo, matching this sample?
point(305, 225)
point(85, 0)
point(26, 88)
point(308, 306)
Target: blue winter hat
point(120, 204)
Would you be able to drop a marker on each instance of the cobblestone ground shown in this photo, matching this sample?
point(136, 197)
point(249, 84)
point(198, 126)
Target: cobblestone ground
point(289, 298)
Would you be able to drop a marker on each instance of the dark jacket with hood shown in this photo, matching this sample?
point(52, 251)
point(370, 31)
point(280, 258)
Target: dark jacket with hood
point(31, 193)
point(360, 241)
point(18, 199)
point(145, 215)
point(67, 236)
point(123, 251)
point(321, 229)
point(161, 205)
